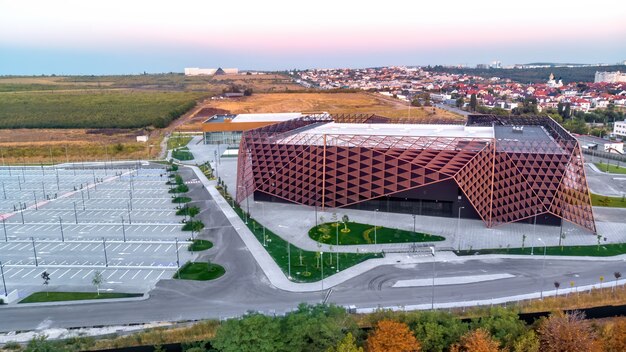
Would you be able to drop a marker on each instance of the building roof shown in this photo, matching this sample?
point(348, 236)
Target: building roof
point(268, 117)
point(408, 130)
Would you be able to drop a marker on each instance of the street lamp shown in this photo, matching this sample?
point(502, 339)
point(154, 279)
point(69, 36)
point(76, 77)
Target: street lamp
point(432, 302)
point(543, 267)
point(322, 260)
point(458, 227)
point(413, 223)
point(532, 243)
point(375, 223)
point(337, 243)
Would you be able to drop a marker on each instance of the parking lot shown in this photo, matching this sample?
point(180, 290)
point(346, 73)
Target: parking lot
point(72, 222)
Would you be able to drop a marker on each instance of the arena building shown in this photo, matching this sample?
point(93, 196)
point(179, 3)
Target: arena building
point(494, 168)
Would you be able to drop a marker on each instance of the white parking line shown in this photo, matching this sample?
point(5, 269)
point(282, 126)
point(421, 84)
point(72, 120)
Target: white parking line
point(60, 276)
point(137, 273)
point(17, 272)
point(79, 271)
point(89, 272)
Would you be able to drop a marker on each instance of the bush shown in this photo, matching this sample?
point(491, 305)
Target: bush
point(179, 189)
point(195, 225)
point(181, 200)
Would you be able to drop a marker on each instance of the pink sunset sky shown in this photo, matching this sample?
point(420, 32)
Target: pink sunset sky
point(131, 35)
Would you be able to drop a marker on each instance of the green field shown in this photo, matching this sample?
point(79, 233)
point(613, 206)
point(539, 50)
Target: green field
point(200, 245)
point(603, 201)
point(39, 297)
point(602, 250)
point(199, 271)
point(177, 141)
point(94, 109)
point(611, 168)
point(306, 266)
point(364, 234)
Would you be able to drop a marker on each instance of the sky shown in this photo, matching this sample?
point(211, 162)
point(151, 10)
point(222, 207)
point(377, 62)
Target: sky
point(136, 36)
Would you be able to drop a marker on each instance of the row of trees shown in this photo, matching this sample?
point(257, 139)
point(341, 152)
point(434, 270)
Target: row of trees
point(330, 328)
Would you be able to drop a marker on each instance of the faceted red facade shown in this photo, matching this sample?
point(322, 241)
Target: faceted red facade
point(504, 180)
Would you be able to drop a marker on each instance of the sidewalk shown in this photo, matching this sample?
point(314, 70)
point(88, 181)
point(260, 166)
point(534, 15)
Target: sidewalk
point(278, 278)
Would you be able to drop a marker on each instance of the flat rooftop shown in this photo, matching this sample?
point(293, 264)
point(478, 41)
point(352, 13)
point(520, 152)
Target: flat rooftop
point(400, 130)
point(266, 117)
point(525, 134)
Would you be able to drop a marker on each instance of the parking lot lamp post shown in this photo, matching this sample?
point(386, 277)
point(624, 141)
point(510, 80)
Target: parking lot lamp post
point(4, 191)
point(414, 223)
point(532, 243)
point(123, 229)
point(35, 197)
point(6, 293)
point(129, 219)
point(22, 211)
point(177, 259)
point(75, 213)
point(82, 196)
point(4, 226)
point(104, 246)
point(61, 225)
point(57, 173)
point(543, 267)
point(34, 251)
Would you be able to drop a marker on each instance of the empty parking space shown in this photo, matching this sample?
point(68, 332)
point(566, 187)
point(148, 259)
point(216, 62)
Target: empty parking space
point(72, 222)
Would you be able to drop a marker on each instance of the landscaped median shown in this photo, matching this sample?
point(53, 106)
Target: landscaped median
point(613, 169)
point(306, 266)
point(40, 297)
point(354, 233)
point(601, 250)
point(605, 201)
point(200, 271)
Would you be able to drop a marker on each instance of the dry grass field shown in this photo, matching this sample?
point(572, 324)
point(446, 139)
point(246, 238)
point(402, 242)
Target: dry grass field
point(335, 103)
point(34, 146)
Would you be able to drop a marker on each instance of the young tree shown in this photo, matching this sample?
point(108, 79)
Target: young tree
point(97, 281)
point(557, 285)
point(345, 220)
point(617, 275)
point(436, 330)
point(460, 102)
point(46, 280)
point(566, 332)
point(348, 344)
point(502, 324)
point(477, 340)
point(392, 336)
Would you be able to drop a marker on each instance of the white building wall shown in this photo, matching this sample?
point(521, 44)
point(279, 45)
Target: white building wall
point(619, 128)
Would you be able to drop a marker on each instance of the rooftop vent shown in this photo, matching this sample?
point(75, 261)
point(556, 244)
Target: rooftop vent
point(518, 129)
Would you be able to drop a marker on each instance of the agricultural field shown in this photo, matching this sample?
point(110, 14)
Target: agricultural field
point(93, 109)
point(336, 103)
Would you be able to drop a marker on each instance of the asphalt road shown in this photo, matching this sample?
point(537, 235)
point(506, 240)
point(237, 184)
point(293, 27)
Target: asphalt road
point(245, 287)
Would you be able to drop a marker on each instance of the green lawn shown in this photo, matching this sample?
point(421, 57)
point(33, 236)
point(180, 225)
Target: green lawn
point(604, 250)
point(200, 245)
point(364, 234)
point(176, 141)
point(603, 201)
point(38, 297)
point(611, 168)
point(199, 271)
point(306, 266)
point(182, 154)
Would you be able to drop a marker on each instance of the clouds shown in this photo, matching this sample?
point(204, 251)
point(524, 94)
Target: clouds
point(282, 34)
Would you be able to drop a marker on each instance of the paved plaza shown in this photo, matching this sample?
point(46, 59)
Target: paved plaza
point(72, 221)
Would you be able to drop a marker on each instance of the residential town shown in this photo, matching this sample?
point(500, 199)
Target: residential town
point(406, 83)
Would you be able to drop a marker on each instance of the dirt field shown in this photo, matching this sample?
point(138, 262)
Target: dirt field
point(37, 145)
point(335, 103)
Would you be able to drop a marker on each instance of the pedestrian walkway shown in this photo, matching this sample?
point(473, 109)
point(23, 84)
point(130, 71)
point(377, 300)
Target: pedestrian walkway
point(292, 223)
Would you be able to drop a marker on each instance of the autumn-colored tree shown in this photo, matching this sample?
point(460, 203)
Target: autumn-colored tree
point(614, 336)
point(392, 336)
point(348, 344)
point(478, 340)
point(567, 332)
